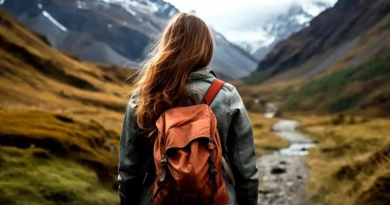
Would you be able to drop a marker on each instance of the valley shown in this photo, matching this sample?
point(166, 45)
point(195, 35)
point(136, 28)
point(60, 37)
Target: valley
point(340, 97)
point(318, 100)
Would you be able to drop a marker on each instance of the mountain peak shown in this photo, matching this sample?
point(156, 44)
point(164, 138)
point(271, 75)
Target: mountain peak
point(116, 31)
point(158, 7)
point(281, 25)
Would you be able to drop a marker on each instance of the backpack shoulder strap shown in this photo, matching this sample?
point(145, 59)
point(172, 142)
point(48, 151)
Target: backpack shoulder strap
point(213, 90)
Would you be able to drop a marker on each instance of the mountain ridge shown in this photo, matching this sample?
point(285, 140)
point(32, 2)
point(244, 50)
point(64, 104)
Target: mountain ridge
point(281, 25)
point(114, 32)
point(335, 28)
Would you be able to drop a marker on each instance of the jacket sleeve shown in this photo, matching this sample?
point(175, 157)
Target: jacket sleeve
point(241, 152)
point(129, 160)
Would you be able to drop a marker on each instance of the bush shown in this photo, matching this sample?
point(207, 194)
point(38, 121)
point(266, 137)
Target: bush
point(338, 119)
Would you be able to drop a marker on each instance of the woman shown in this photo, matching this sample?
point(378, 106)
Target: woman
point(180, 62)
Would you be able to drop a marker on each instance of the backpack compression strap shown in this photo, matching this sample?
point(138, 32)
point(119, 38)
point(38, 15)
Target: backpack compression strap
point(213, 90)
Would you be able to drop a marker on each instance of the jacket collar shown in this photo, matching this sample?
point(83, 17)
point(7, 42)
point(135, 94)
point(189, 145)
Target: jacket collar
point(202, 73)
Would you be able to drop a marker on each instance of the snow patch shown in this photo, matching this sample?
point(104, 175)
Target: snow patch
point(39, 5)
point(278, 26)
point(132, 12)
point(268, 42)
point(302, 19)
point(81, 5)
point(149, 6)
point(165, 7)
point(154, 7)
point(2, 2)
point(146, 6)
point(312, 9)
point(53, 20)
point(109, 25)
point(171, 13)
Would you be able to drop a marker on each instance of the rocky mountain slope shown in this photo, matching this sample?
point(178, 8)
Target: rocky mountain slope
point(280, 26)
point(60, 122)
point(331, 35)
point(332, 66)
point(115, 31)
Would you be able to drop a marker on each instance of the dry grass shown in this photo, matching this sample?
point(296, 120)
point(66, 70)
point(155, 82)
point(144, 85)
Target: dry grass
point(87, 143)
point(350, 165)
point(35, 76)
point(70, 111)
point(265, 140)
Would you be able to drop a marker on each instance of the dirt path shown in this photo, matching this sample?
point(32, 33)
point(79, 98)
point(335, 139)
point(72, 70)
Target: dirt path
point(283, 173)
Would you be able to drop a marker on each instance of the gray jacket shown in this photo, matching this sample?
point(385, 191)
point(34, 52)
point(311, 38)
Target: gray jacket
point(136, 179)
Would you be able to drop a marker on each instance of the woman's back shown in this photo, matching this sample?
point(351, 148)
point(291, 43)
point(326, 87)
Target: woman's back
point(153, 98)
point(235, 132)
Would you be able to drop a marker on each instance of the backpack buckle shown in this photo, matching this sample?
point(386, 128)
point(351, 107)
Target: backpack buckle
point(164, 160)
point(213, 169)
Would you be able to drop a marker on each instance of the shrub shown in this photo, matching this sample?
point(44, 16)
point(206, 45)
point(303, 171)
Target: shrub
point(338, 119)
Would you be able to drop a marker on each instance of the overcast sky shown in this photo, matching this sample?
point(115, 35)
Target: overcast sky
point(228, 14)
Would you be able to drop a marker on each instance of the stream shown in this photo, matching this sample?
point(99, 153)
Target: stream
point(283, 173)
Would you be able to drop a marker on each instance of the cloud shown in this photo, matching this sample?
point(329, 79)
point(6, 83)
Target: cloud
point(225, 15)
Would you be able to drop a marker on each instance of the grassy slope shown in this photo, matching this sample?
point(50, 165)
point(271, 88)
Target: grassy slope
point(47, 79)
point(356, 87)
point(72, 111)
point(34, 177)
point(350, 165)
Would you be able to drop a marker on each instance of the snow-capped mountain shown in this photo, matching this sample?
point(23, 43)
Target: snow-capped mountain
point(281, 25)
point(115, 31)
point(157, 7)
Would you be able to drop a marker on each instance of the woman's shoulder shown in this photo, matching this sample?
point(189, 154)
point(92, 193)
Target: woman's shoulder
point(229, 87)
point(230, 90)
point(132, 102)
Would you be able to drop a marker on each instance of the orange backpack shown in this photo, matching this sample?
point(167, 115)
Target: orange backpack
point(188, 156)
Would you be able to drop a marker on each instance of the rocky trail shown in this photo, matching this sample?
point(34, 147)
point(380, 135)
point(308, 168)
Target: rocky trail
point(283, 173)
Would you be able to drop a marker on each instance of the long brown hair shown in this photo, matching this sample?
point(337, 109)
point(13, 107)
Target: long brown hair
point(185, 46)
